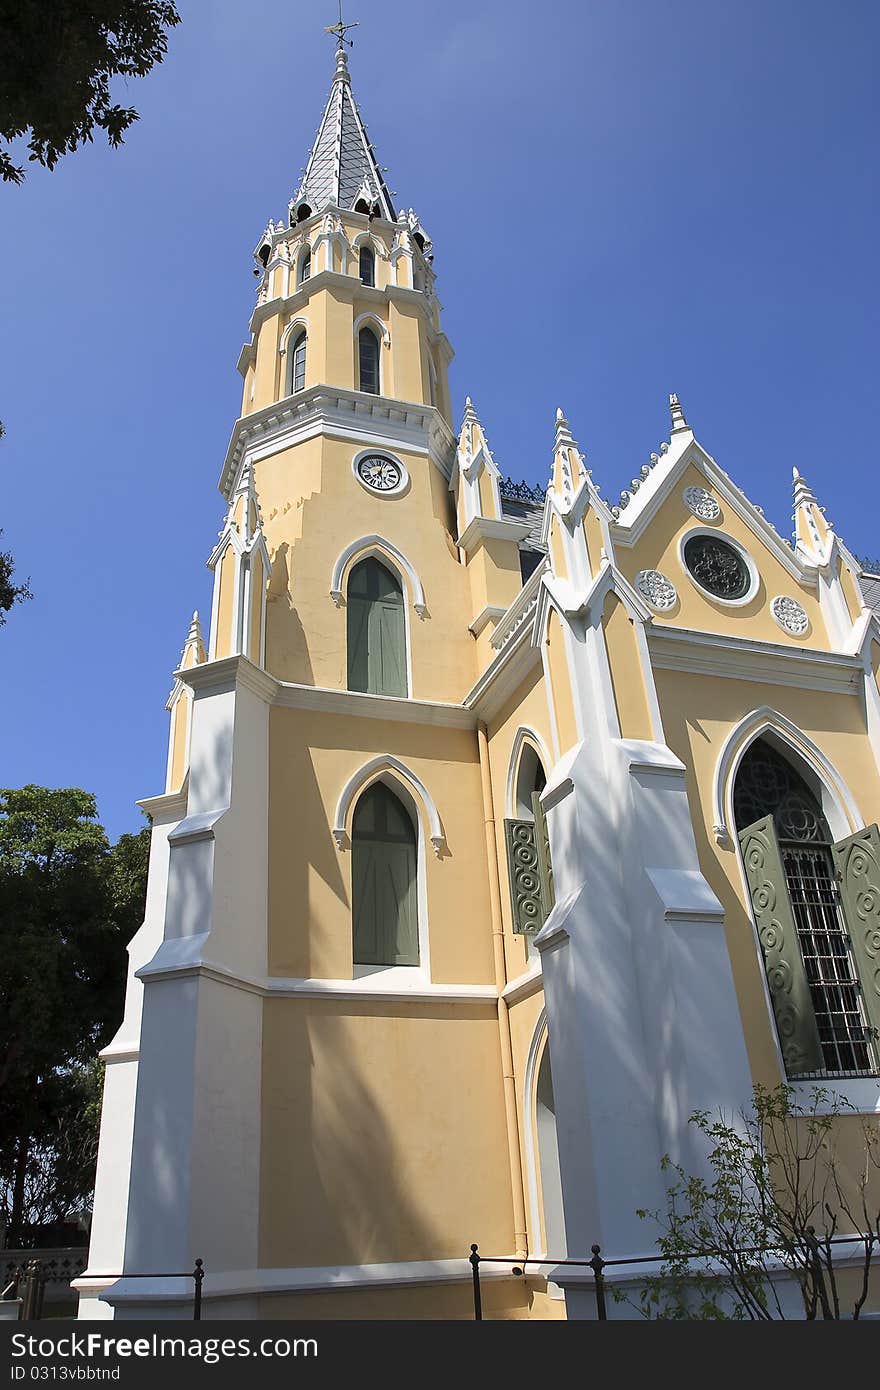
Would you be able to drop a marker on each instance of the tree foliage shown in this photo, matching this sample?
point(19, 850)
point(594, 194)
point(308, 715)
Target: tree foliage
point(778, 1200)
point(69, 903)
point(58, 62)
point(10, 593)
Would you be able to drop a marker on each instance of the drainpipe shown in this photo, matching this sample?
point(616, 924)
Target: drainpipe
point(516, 1177)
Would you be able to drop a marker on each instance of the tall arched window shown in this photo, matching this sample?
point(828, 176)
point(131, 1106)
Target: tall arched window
point(376, 630)
point(809, 930)
point(383, 872)
point(368, 361)
point(298, 364)
point(367, 261)
point(305, 265)
point(548, 1159)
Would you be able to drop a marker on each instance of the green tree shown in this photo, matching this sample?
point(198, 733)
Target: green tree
point(10, 593)
point(58, 62)
point(778, 1197)
point(69, 903)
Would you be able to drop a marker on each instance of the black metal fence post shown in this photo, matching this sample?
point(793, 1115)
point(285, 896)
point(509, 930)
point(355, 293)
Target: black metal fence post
point(32, 1293)
point(198, 1277)
point(475, 1266)
point(597, 1264)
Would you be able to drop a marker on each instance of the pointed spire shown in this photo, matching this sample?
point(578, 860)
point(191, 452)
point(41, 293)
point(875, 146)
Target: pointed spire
point(569, 471)
point(812, 531)
point(193, 653)
point(679, 423)
point(342, 168)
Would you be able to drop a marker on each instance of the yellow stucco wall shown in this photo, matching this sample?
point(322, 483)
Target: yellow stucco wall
point(313, 507)
point(383, 1133)
point(627, 679)
point(658, 548)
point(311, 758)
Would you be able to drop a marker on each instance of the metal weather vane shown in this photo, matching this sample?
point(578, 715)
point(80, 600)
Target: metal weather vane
point(341, 29)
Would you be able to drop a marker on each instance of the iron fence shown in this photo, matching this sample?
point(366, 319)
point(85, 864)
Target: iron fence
point(598, 1264)
point(29, 1279)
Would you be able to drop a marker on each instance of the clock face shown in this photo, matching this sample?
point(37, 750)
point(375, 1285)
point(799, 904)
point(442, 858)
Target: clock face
point(379, 473)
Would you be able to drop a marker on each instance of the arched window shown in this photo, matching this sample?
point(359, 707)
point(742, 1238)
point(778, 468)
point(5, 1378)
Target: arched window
point(298, 364)
point(803, 921)
point(383, 881)
point(305, 265)
point(548, 1159)
point(367, 261)
point(530, 778)
point(368, 361)
point(376, 630)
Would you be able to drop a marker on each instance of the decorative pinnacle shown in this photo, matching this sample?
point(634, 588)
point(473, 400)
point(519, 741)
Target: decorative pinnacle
point(679, 423)
point(803, 493)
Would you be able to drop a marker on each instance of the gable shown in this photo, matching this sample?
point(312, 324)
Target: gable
point(659, 548)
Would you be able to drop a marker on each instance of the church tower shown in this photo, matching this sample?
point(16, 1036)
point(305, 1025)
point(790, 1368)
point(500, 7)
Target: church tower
point(464, 772)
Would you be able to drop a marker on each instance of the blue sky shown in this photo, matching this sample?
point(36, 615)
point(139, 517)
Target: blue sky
point(661, 194)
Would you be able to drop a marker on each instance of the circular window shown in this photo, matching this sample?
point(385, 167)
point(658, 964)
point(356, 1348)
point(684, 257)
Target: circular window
point(380, 473)
point(717, 566)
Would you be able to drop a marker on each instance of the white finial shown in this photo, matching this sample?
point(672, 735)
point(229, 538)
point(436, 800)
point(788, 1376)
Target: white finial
point(679, 423)
point(560, 415)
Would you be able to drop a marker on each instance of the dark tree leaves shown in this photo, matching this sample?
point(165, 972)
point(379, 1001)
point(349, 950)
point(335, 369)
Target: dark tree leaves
point(69, 904)
point(58, 62)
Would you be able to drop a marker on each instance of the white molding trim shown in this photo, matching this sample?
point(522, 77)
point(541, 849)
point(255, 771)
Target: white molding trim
point(376, 545)
point(487, 614)
point(375, 322)
point(371, 772)
point(716, 654)
point(524, 734)
point(339, 413)
point(305, 1279)
point(539, 1041)
point(221, 675)
point(524, 985)
point(493, 529)
point(300, 321)
point(381, 985)
point(740, 738)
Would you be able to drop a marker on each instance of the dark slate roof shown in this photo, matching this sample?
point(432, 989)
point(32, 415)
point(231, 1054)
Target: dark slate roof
point(871, 589)
point(342, 165)
point(521, 502)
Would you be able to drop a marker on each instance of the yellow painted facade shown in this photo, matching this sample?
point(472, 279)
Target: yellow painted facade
point(398, 1111)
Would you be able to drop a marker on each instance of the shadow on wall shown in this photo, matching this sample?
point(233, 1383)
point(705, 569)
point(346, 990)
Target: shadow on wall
point(383, 1133)
point(285, 636)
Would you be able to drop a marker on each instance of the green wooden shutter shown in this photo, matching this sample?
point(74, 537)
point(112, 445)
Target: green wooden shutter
point(783, 962)
point(858, 870)
point(358, 642)
point(542, 845)
point(526, 898)
point(387, 642)
point(384, 882)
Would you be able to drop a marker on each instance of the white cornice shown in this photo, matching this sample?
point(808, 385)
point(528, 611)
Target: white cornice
point(240, 1283)
point(342, 414)
point(352, 288)
point(367, 987)
point(493, 529)
point(505, 673)
point(489, 613)
point(168, 807)
point(524, 985)
point(223, 675)
point(711, 654)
